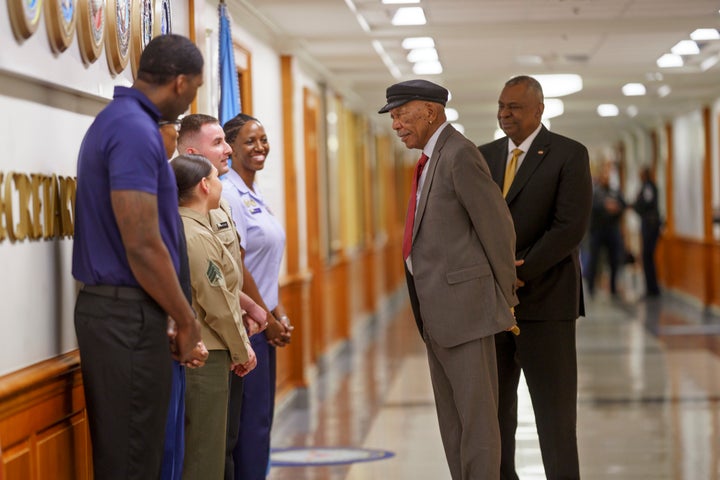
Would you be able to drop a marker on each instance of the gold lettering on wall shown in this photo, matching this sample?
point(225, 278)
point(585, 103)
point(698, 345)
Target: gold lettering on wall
point(44, 205)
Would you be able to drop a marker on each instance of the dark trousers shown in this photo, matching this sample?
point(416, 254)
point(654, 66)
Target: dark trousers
point(650, 231)
point(252, 452)
point(126, 367)
point(545, 351)
point(235, 401)
point(608, 239)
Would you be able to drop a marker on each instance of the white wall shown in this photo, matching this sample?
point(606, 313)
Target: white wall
point(47, 102)
point(688, 159)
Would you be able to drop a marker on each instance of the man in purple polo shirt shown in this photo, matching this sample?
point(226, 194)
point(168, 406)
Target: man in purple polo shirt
point(127, 253)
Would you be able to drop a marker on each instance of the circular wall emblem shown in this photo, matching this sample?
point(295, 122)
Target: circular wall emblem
point(60, 20)
point(24, 17)
point(90, 28)
point(163, 18)
point(304, 456)
point(117, 36)
point(142, 30)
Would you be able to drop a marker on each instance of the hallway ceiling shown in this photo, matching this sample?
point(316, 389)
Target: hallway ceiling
point(482, 43)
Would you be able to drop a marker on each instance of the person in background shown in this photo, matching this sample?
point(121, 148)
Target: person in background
point(263, 241)
point(215, 280)
point(646, 205)
point(608, 206)
point(545, 179)
point(127, 254)
point(458, 251)
point(202, 134)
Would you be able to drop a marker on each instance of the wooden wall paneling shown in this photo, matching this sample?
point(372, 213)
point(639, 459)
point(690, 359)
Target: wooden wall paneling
point(43, 427)
point(293, 361)
point(311, 119)
point(664, 262)
point(686, 258)
point(292, 250)
point(706, 265)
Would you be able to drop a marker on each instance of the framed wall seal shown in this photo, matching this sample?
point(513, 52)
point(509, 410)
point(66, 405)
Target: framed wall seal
point(117, 34)
point(163, 18)
point(60, 18)
point(90, 28)
point(24, 17)
point(142, 30)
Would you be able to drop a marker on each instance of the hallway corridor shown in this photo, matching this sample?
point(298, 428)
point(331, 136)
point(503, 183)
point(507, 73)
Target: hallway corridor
point(649, 386)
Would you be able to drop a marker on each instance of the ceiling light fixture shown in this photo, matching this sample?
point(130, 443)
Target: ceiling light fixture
point(670, 60)
point(559, 85)
point(396, 2)
point(705, 34)
point(608, 110)
point(422, 55)
point(709, 62)
point(451, 114)
point(409, 16)
point(394, 70)
point(427, 68)
point(664, 90)
point(632, 111)
point(411, 43)
point(685, 47)
point(633, 89)
point(554, 107)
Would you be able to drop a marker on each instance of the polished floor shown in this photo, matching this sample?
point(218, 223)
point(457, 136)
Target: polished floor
point(649, 386)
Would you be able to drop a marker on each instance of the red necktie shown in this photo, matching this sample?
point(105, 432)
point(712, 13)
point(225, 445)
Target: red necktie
point(410, 219)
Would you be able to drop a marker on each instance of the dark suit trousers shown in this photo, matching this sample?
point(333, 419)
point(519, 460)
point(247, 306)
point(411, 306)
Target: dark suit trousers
point(545, 351)
point(126, 367)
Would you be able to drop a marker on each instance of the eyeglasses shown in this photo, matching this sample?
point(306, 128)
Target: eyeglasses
point(175, 123)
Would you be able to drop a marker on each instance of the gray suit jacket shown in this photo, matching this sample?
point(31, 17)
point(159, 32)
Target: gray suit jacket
point(550, 201)
point(463, 249)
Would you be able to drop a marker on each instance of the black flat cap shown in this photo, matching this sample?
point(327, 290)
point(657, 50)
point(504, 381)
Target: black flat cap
point(403, 92)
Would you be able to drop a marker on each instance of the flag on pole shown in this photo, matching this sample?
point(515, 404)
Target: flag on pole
point(229, 91)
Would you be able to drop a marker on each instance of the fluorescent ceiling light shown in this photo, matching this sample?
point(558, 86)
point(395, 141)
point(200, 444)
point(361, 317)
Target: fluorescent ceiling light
point(708, 63)
point(427, 68)
point(529, 59)
point(459, 127)
point(705, 34)
point(422, 55)
point(418, 42)
point(554, 107)
point(451, 114)
point(395, 2)
point(633, 89)
point(664, 90)
point(498, 134)
point(409, 16)
point(685, 47)
point(632, 111)
point(608, 110)
point(394, 70)
point(559, 85)
point(669, 60)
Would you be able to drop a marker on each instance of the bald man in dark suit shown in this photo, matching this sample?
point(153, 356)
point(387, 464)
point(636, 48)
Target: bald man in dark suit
point(548, 188)
point(459, 259)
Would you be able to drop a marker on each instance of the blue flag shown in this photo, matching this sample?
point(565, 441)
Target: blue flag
point(229, 90)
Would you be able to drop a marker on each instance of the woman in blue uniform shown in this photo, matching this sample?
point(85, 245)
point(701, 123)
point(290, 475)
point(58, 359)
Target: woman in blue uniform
point(263, 241)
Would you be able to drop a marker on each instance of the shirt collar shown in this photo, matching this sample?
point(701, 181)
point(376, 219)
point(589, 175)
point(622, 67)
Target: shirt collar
point(204, 220)
point(525, 145)
point(430, 146)
point(141, 98)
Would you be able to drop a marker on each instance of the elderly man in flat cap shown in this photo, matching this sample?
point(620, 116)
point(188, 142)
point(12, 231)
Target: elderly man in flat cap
point(459, 252)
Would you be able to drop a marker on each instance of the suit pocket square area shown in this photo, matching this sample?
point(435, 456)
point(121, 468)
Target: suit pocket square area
point(468, 273)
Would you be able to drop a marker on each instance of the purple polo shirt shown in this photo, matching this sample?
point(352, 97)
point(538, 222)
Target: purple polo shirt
point(122, 150)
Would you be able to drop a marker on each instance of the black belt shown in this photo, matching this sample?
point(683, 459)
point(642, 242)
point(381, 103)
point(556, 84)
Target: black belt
point(122, 293)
